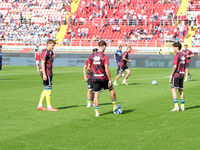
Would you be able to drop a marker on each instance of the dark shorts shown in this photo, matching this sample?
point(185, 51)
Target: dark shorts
point(177, 83)
point(121, 68)
point(188, 65)
point(0, 66)
point(48, 82)
point(89, 84)
point(97, 86)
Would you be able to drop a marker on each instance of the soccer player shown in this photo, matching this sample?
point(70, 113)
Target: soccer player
point(98, 66)
point(124, 67)
point(37, 59)
point(177, 76)
point(88, 79)
point(47, 75)
point(187, 54)
point(118, 57)
point(1, 59)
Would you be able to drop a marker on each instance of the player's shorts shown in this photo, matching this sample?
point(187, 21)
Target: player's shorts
point(188, 65)
point(177, 83)
point(48, 82)
point(37, 62)
point(89, 84)
point(99, 86)
point(121, 68)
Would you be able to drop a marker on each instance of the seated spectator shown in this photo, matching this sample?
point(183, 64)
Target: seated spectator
point(118, 29)
point(72, 34)
point(113, 28)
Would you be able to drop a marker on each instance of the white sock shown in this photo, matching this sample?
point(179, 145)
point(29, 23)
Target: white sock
point(49, 106)
point(115, 81)
point(124, 80)
point(40, 105)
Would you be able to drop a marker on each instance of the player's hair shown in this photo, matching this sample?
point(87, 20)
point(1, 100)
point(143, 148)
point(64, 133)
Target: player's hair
point(120, 46)
point(129, 47)
point(50, 41)
point(177, 44)
point(36, 49)
point(0, 46)
point(186, 45)
point(95, 50)
point(102, 43)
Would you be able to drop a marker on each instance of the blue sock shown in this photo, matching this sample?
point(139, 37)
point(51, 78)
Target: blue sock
point(182, 102)
point(176, 102)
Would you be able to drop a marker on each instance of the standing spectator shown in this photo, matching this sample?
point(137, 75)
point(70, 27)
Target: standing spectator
point(64, 19)
point(181, 31)
point(86, 31)
point(83, 32)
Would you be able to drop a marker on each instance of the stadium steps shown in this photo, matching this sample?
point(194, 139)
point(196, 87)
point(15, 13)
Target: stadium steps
point(183, 8)
point(61, 34)
point(188, 40)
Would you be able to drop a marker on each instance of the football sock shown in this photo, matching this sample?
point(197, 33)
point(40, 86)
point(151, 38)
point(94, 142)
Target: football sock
point(48, 96)
point(92, 101)
point(96, 108)
point(176, 102)
point(124, 80)
point(37, 67)
point(114, 102)
point(115, 81)
point(89, 100)
point(182, 102)
point(42, 97)
point(186, 76)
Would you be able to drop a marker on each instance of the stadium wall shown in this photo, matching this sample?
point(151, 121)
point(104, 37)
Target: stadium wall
point(140, 61)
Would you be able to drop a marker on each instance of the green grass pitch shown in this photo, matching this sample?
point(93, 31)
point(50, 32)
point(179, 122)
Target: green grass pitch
point(146, 122)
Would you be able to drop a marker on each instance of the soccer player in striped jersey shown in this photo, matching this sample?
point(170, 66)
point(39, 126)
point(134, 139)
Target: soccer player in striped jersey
point(177, 76)
point(98, 66)
point(47, 75)
point(188, 54)
point(1, 59)
point(88, 79)
point(37, 59)
point(123, 66)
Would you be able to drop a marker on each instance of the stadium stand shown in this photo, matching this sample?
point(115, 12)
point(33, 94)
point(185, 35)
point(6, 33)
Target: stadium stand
point(138, 23)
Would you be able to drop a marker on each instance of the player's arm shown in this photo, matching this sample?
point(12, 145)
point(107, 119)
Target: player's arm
point(43, 69)
point(108, 75)
point(89, 68)
point(84, 72)
point(115, 57)
point(173, 71)
point(190, 55)
point(124, 58)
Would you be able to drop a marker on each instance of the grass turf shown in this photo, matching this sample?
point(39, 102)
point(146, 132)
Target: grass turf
point(146, 122)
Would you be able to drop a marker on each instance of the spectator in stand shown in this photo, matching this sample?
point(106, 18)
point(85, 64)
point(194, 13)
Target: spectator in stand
point(118, 29)
point(86, 31)
point(113, 28)
point(83, 32)
point(72, 34)
point(181, 31)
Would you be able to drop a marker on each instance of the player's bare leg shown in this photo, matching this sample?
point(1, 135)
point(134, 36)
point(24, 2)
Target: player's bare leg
point(113, 98)
point(117, 77)
point(175, 99)
point(187, 74)
point(90, 96)
point(182, 99)
point(126, 77)
point(96, 104)
point(38, 67)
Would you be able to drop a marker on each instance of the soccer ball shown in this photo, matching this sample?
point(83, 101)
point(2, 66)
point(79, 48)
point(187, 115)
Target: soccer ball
point(118, 111)
point(154, 82)
point(123, 75)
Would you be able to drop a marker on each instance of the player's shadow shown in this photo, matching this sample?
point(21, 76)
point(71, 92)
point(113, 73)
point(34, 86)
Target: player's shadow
point(124, 112)
point(195, 80)
point(66, 107)
point(134, 83)
point(197, 106)
point(105, 104)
